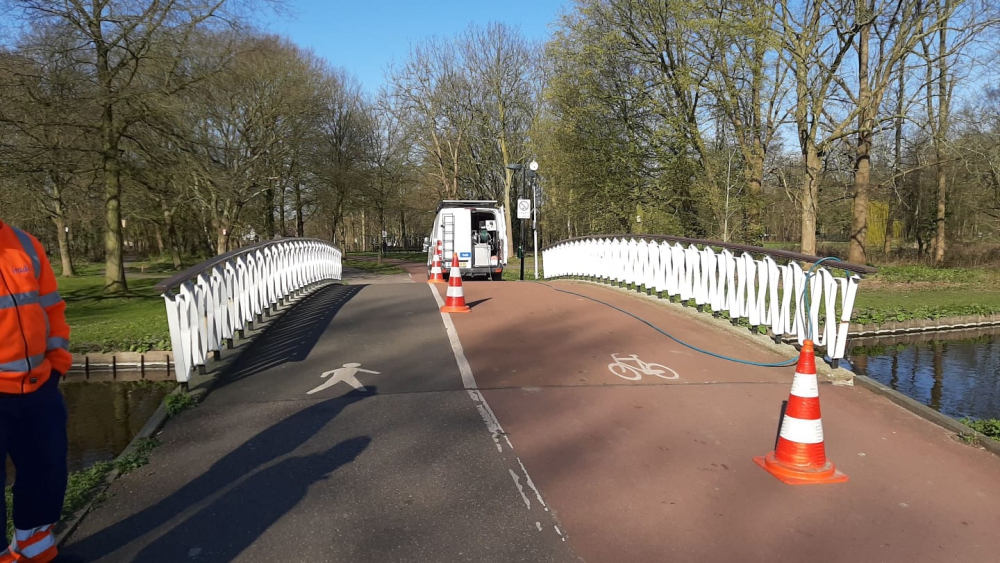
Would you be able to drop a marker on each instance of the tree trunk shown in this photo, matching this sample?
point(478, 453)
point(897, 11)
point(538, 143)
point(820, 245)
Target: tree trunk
point(281, 212)
point(168, 222)
point(62, 234)
point(269, 216)
point(940, 135)
point(381, 239)
point(114, 263)
point(862, 162)
point(222, 241)
point(808, 199)
point(114, 266)
point(161, 248)
point(942, 195)
point(889, 223)
point(897, 161)
point(754, 203)
point(300, 225)
point(402, 227)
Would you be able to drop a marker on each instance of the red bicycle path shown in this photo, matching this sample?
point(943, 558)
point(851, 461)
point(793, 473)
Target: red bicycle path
point(660, 470)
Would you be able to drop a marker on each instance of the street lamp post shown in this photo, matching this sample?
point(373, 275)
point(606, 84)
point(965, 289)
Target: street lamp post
point(528, 172)
point(534, 215)
point(515, 168)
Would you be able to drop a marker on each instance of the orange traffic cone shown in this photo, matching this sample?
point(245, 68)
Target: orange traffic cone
point(800, 456)
point(437, 276)
point(455, 300)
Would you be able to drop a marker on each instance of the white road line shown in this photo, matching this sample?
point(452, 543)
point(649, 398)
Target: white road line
point(531, 484)
point(520, 489)
point(489, 418)
point(456, 346)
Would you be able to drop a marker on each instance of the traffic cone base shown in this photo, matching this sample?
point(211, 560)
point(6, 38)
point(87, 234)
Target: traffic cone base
point(799, 457)
point(796, 475)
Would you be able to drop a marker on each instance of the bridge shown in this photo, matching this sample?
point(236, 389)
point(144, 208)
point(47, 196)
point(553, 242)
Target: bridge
point(591, 416)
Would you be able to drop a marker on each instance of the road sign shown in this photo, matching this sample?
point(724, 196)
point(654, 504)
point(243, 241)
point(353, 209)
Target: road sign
point(524, 209)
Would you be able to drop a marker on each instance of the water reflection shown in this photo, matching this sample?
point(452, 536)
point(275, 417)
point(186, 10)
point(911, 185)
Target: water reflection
point(956, 373)
point(104, 417)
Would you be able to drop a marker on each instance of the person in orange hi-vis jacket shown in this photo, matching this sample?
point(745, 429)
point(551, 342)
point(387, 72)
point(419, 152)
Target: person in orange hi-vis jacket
point(34, 354)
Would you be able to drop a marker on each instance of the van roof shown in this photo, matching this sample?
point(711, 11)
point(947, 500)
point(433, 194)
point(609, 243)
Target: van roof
point(469, 203)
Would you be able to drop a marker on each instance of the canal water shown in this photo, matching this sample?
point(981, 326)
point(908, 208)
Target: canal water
point(955, 373)
point(104, 417)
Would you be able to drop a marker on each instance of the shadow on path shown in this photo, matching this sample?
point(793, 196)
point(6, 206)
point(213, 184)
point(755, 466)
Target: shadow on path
point(293, 335)
point(234, 520)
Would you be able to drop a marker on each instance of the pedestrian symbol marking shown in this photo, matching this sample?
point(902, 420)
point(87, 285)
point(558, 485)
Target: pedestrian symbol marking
point(347, 374)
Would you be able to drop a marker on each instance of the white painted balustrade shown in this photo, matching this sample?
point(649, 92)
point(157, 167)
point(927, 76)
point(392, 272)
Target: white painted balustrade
point(756, 289)
point(209, 303)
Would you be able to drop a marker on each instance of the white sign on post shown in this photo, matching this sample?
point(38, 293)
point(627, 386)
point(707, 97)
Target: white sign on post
point(524, 209)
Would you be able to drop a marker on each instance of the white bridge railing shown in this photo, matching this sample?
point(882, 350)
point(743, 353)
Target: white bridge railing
point(210, 303)
point(750, 285)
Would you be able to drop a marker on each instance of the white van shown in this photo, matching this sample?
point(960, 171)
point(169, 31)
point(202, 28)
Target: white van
point(476, 230)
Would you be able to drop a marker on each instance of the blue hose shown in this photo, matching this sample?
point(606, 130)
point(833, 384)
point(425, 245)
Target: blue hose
point(785, 363)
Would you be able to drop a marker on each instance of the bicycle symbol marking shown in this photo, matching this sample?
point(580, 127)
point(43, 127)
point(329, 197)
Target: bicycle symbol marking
point(622, 365)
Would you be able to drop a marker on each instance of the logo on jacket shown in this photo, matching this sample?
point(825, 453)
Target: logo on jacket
point(22, 270)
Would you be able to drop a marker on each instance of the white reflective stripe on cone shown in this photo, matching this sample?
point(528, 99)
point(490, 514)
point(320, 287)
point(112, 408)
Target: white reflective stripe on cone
point(805, 385)
point(39, 547)
point(802, 431)
point(25, 535)
point(454, 291)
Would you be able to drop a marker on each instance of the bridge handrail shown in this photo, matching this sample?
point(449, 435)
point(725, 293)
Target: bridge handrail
point(748, 287)
point(775, 252)
point(209, 303)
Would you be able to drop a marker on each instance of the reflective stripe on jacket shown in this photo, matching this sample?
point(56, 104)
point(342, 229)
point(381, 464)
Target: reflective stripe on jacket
point(34, 336)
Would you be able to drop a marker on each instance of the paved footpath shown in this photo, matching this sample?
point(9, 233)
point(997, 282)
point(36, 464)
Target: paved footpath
point(404, 470)
point(553, 458)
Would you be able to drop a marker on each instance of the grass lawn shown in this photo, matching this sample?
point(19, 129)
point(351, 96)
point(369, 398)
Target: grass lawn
point(371, 266)
point(136, 322)
point(404, 256)
point(900, 293)
point(513, 270)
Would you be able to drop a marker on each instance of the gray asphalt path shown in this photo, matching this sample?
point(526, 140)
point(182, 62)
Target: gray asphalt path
point(400, 470)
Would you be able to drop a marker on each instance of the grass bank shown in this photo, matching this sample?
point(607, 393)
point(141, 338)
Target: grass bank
point(990, 427)
point(135, 322)
point(903, 293)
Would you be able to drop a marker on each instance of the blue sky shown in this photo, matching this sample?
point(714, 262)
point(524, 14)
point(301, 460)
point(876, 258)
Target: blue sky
point(364, 36)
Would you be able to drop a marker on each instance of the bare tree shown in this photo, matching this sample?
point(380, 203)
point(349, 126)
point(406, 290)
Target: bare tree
point(431, 90)
point(501, 64)
point(118, 39)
